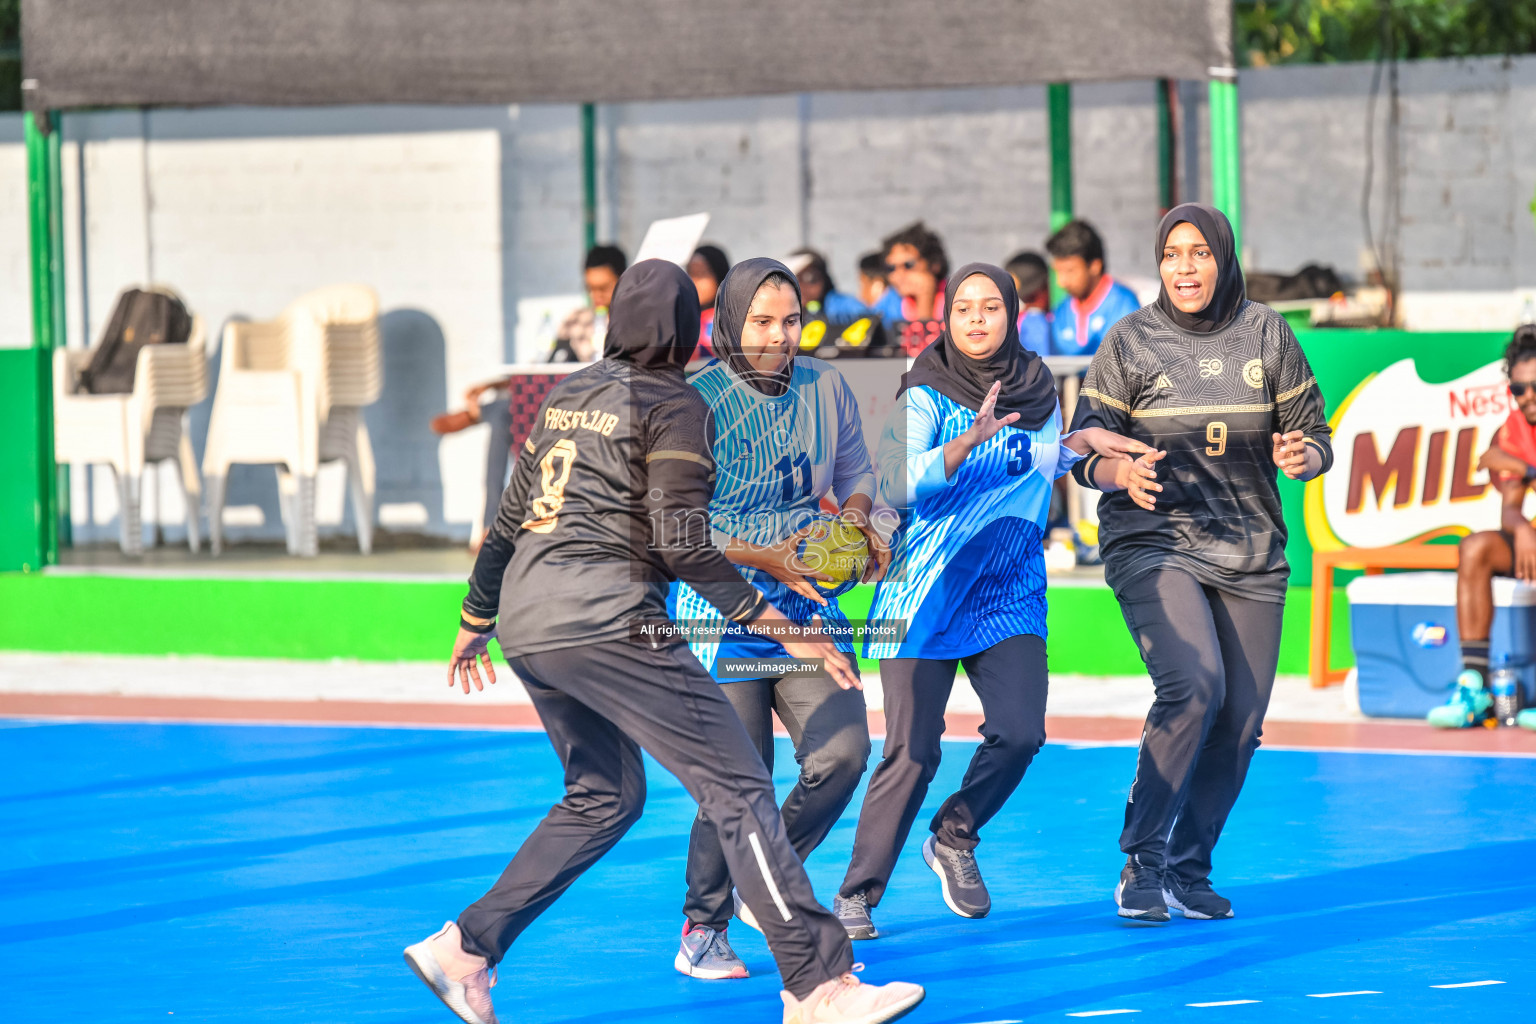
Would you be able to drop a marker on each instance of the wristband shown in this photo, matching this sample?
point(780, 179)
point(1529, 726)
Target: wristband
point(465, 624)
point(1082, 471)
point(1530, 474)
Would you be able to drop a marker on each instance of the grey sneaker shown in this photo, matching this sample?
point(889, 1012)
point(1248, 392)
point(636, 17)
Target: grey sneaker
point(1197, 901)
point(853, 912)
point(959, 878)
point(1140, 892)
point(706, 954)
point(462, 981)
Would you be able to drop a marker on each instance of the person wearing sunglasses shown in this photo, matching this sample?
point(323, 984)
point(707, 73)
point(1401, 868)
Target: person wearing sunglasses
point(1508, 551)
point(915, 267)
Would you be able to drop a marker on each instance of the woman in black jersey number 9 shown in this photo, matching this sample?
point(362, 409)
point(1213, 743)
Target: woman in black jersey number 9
point(1194, 541)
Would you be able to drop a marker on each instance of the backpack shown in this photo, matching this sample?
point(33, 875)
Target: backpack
point(1310, 282)
point(140, 318)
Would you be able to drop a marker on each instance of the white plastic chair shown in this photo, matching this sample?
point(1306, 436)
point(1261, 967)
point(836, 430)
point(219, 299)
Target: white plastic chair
point(134, 431)
point(291, 393)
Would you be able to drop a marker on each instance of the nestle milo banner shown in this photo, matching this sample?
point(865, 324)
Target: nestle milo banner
point(1410, 413)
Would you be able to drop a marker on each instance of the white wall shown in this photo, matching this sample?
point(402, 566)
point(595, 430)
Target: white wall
point(463, 217)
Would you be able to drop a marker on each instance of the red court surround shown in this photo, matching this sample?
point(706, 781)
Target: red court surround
point(1372, 735)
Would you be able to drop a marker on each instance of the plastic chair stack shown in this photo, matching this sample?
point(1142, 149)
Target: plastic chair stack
point(134, 431)
point(291, 394)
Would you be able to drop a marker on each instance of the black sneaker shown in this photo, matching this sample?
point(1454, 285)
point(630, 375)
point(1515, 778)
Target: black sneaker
point(959, 878)
point(1195, 900)
point(853, 913)
point(1140, 892)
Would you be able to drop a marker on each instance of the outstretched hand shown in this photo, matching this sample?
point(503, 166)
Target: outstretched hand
point(815, 644)
point(470, 651)
point(986, 425)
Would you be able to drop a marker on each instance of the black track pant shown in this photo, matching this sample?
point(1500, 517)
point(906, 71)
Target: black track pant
point(830, 730)
point(1212, 657)
point(1010, 678)
point(601, 705)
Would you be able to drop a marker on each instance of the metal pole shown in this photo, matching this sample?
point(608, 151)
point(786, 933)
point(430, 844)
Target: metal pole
point(47, 313)
point(1167, 145)
point(589, 174)
point(60, 336)
point(1226, 151)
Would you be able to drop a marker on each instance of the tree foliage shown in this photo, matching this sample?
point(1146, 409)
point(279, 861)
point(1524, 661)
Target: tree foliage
point(1325, 31)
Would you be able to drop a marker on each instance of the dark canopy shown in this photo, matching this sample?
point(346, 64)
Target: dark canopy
point(95, 53)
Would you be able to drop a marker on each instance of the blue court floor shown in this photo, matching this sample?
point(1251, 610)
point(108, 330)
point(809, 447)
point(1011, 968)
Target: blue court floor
point(273, 874)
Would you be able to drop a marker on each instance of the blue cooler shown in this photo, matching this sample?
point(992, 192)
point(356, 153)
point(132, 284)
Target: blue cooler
point(1407, 653)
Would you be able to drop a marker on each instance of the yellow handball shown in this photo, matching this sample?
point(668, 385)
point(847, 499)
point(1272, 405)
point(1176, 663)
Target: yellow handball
point(837, 549)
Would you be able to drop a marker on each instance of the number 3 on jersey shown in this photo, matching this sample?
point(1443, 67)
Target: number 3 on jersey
point(546, 507)
point(1017, 447)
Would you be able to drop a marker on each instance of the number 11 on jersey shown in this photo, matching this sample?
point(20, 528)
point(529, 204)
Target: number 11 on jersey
point(787, 469)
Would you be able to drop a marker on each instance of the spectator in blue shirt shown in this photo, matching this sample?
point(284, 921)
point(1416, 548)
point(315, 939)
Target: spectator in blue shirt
point(1033, 280)
point(872, 283)
point(1094, 301)
point(820, 295)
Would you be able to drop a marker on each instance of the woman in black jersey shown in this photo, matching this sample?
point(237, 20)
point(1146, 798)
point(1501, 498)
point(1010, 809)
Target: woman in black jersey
point(1194, 541)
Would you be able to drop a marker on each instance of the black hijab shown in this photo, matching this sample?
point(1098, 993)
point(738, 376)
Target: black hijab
point(1028, 387)
point(732, 303)
point(654, 319)
point(1230, 289)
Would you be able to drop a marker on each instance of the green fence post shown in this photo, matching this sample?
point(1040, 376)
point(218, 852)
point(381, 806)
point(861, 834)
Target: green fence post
point(28, 476)
point(1166, 185)
point(1226, 153)
point(1059, 113)
point(1059, 101)
point(589, 174)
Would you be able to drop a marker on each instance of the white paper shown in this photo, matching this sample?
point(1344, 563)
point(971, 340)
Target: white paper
point(673, 239)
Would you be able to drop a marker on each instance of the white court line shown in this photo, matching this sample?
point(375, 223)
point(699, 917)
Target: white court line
point(1226, 1002)
point(998, 1022)
point(1335, 995)
point(1099, 1013)
point(1469, 984)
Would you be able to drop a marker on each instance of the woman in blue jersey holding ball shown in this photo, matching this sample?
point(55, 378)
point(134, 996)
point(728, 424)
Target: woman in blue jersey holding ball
point(968, 456)
point(787, 434)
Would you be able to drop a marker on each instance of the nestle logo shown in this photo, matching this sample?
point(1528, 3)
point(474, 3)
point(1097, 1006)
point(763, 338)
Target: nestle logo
point(1482, 400)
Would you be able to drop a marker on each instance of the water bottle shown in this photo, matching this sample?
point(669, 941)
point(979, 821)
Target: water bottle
point(1505, 685)
point(599, 331)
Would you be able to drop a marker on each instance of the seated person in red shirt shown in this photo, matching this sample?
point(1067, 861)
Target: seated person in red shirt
point(707, 268)
point(577, 341)
point(1508, 551)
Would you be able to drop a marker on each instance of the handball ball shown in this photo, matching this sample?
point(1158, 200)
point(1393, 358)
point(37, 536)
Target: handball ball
point(837, 549)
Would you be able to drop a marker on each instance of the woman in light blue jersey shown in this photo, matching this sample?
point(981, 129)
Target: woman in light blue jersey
point(787, 435)
point(969, 457)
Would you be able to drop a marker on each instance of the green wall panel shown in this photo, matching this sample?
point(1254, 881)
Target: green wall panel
point(401, 621)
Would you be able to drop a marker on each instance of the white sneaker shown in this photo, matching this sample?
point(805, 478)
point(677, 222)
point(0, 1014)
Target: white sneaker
point(846, 1000)
point(461, 980)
